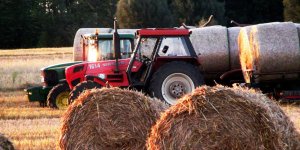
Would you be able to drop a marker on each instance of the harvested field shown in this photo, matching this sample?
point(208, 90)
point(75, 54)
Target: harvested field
point(29, 126)
point(26, 124)
point(22, 67)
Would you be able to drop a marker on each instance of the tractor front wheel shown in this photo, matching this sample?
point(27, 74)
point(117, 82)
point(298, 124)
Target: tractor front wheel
point(78, 89)
point(173, 80)
point(58, 96)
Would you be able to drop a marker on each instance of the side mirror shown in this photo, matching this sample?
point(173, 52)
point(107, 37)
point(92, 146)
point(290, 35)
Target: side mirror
point(165, 49)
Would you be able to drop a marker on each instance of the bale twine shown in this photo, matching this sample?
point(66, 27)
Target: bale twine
point(245, 51)
point(212, 45)
point(109, 119)
point(223, 118)
point(233, 34)
point(5, 143)
point(77, 45)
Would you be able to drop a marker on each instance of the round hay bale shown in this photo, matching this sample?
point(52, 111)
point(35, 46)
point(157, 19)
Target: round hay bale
point(223, 118)
point(283, 125)
point(233, 34)
point(212, 45)
point(109, 118)
point(77, 45)
point(5, 143)
point(275, 49)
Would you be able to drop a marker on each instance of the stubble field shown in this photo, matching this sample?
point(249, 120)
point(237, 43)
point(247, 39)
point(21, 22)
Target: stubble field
point(27, 124)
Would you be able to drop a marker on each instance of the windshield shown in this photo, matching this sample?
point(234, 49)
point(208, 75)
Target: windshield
point(146, 47)
point(106, 50)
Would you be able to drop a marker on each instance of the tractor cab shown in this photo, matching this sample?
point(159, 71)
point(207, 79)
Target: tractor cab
point(99, 47)
point(157, 47)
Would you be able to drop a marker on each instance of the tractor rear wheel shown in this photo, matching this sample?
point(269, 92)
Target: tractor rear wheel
point(173, 80)
point(78, 89)
point(58, 96)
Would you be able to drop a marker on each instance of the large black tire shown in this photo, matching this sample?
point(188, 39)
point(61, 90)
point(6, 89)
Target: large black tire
point(58, 96)
point(78, 89)
point(173, 80)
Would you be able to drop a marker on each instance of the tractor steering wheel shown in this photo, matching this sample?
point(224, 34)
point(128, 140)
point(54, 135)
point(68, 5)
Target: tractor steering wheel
point(145, 59)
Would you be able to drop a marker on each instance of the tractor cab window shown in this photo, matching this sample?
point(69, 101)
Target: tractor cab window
point(146, 47)
point(105, 50)
point(173, 46)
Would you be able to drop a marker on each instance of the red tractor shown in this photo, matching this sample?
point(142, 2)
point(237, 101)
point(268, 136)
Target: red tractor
point(163, 64)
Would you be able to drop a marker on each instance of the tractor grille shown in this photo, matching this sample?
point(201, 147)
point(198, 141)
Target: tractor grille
point(50, 78)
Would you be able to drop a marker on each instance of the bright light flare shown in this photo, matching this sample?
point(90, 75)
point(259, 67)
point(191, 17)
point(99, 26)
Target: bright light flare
point(245, 53)
point(92, 53)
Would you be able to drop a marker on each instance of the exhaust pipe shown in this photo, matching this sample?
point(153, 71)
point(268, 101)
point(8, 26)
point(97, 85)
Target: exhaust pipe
point(116, 40)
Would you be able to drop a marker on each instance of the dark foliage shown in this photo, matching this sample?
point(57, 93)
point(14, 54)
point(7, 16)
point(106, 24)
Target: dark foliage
point(53, 23)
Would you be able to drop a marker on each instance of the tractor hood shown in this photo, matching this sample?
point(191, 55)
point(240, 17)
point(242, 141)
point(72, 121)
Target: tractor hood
point(52, 75)
point(102, 69)
point(60, 66)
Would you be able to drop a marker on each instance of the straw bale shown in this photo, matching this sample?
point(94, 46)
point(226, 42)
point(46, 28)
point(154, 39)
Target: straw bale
point(5, 143)
point(245, 51)
point(223, 118)
point(233, 34)
point(77, 45)
point(212, 45)
point(275, 48)
point(283, 126)
point(109, 118)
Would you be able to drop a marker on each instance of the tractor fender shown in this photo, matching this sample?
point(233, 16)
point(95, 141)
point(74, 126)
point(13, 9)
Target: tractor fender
point(63, 81)
point(96, 79)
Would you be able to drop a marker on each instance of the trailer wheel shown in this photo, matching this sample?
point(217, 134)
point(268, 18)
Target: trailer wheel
point(78, 89)
point(58, 96)
point(173, 80)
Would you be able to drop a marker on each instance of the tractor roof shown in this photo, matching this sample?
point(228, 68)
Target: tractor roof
point(110, 35)
point(163, 32)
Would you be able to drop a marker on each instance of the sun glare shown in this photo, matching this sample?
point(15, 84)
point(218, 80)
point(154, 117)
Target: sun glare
point(92, 53)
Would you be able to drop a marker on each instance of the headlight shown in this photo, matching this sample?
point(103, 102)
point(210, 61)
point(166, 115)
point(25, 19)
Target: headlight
point(92, 52)
point(102, 76)
point(42, 76)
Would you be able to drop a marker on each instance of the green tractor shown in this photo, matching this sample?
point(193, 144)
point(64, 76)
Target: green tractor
point(54, 91)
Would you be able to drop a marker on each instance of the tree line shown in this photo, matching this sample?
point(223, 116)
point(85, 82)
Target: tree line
point(53, 23)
